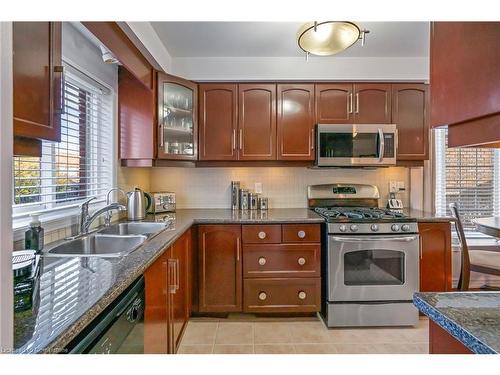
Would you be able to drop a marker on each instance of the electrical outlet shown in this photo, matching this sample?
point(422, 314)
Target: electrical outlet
point(393, 187)
point(258, 187)
point(401, 185)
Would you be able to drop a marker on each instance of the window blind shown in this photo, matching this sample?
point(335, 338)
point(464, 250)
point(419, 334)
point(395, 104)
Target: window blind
point(468, 176)
point(78, 167)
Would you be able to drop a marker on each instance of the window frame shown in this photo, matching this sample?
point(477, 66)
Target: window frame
point(67, 215)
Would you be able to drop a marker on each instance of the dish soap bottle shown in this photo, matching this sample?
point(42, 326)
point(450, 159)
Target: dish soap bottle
point(33, 238)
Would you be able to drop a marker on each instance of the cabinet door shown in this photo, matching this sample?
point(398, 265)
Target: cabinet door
point(177, 118)
point(435, 259)
point(334, 103)
point(218, 121)
point(157, 312)
point(296, 122)
point(372, 103)
point(181, 295)
point(37, 80)
point(220, 268)
point(257, 121)
point(410, 112)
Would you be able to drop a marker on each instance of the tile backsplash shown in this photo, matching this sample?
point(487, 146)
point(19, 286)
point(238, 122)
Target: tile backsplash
point(285, 187)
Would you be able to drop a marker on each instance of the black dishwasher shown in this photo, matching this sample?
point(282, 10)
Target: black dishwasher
point(119, 329)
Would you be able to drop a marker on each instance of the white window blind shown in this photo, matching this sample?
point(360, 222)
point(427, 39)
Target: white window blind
point(78, 167)
point(468, 176)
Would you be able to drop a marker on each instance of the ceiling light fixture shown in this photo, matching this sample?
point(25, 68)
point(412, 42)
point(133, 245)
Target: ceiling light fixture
point(329, 37)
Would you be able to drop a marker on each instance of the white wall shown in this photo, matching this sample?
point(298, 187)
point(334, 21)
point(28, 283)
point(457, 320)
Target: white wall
point(293, 68)
point(6, 297)
point(286, 187)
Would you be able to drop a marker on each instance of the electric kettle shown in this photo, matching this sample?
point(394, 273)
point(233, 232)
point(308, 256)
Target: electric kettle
point(138, 202)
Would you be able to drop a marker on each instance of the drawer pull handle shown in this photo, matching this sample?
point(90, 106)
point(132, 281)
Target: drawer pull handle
point(262, 261)
point(262, 235)
point(262, 296)
point(301, 261)
point(301, 234)
point(302, 295)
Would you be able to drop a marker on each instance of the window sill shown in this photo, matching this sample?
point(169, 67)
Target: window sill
point(51, 221)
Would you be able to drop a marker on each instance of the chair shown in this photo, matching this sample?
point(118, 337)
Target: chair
point(482, 261)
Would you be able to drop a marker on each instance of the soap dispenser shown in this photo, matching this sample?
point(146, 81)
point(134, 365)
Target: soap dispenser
point(33, 238)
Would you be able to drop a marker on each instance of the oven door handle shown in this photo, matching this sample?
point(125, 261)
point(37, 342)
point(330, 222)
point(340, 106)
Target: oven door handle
point(381, 149)
point(371, 239)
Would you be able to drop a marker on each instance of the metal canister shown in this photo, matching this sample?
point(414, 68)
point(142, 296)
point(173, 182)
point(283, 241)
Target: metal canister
point(244, 199)
point(263, 203)
point(235, 195)
point(253, 201)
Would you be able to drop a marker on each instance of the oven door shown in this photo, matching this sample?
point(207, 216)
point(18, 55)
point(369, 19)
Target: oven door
point(356, 145)
point(373, 268)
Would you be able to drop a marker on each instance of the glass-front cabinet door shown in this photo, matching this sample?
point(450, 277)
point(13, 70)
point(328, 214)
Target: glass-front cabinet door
point(177, 118)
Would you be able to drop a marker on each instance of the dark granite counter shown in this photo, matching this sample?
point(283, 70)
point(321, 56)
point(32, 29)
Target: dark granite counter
point(426, 216)
point(73, 291)
point(473, 318)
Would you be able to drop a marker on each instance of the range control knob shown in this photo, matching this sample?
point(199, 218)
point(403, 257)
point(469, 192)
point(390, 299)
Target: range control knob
point(405, 227)
point(342, 228)
point(354, 228)
point(395, 227)
point(374, 228)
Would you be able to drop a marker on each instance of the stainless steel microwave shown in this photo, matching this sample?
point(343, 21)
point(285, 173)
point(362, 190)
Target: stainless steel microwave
point(360, 145)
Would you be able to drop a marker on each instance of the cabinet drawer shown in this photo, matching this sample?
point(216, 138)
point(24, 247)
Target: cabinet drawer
point(282, 295)
point(284, 260)
point(270, 233)
point(301, 233)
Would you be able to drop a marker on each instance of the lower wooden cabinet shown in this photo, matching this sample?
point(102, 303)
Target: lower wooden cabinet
point(282, 295)
point(441, 342)
point(168, 284)
point(435, 257)
point(220, 268)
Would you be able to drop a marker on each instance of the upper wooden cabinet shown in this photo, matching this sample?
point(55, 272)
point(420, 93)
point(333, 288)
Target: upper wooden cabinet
point(435, 257)
point(372, 103)
point(257, 121)
point(464, 76)
point(296, 122)
point(220, 268)
point(177, 118)
point(37, 80)
point(410, 112)
point(218, 106)
point(334, 103)
point(359, 103)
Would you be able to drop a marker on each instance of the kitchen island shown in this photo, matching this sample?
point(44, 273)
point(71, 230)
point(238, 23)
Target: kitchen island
point(462, 322)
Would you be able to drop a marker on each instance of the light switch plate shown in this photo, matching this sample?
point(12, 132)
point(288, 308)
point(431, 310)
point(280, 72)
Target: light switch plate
point(258, 187)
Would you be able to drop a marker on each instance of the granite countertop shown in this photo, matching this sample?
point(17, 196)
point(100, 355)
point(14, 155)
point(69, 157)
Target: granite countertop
point(73, 291)
point(426, 216)
point(473, 318)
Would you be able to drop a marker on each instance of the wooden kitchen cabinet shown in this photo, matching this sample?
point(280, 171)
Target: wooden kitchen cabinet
point(334, 103)
point(37, 80)
point(464, 76)
point(177, 118)
point(372, 103)
point(257, 121)
point(218, 106)
point(296, 122)
point(220, 268)
point(410, 113)
point(168, 296)
point(435, 257)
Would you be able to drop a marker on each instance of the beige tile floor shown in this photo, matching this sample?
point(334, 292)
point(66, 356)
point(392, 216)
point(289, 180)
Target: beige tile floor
point(290, 336)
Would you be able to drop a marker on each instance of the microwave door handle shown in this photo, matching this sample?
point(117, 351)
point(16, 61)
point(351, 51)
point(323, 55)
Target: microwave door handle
point(381, 144)
point(372, 239)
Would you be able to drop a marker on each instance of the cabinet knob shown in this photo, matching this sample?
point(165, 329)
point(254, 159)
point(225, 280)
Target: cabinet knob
point(302, 295)
point(262, 261)
point(301, 234)
point(301, 261)
point(262, 296)
point(262, 235)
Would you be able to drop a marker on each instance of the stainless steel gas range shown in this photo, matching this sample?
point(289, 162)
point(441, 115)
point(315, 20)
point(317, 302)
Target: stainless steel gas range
point(371, 262)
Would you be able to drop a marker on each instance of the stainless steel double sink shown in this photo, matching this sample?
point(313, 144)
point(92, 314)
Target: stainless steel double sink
point(117, 240)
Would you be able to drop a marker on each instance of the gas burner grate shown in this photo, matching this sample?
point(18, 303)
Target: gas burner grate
point(358, 213)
